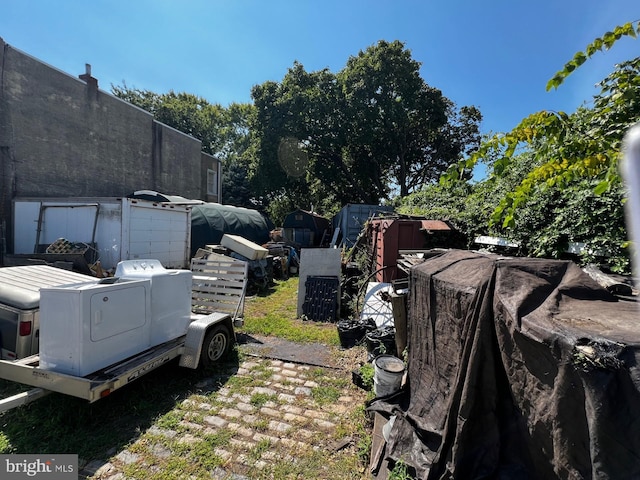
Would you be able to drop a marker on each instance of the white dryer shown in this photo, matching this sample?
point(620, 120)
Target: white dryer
point(85, 327)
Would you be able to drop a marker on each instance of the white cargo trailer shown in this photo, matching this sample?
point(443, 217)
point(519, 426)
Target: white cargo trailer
point(115, 229)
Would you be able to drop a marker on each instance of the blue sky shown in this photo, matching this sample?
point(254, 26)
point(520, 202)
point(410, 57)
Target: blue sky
point(496, 54)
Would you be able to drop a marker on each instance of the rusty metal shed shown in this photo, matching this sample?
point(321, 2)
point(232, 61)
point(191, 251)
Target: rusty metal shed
point(390, 235)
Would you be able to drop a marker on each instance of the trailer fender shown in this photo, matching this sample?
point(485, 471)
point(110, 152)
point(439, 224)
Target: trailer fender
point(196, 333)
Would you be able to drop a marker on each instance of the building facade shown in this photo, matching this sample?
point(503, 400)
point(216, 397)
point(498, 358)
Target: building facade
point(61, 136)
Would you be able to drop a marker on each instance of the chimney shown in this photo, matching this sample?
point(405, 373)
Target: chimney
point(91, 82)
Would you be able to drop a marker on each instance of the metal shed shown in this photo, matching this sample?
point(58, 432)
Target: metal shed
point(390, 235)
point(306, 229)
point(351, 220)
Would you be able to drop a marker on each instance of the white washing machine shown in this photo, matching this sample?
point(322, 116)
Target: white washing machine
point(86, 327)
point(170, 296)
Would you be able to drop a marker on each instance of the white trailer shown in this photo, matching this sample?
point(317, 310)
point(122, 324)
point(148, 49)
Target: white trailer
point(115, 229)
point(217, 302)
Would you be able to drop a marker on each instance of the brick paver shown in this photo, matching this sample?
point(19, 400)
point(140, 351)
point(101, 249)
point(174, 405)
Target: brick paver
point(278, 410)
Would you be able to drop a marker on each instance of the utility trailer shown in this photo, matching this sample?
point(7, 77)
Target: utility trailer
point(217, 296)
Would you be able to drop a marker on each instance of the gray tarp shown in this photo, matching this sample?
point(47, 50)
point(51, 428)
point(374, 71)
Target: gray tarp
point(517, 368)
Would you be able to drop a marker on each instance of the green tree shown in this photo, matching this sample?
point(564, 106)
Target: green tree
point(404, 131)
point(556, 174)
point(572, 148)
point(357, 135)
point(295, 137)
point(185, 112)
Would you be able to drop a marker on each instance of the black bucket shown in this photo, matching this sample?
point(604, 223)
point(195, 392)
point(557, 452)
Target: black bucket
point(381, 342)
point(352, 333)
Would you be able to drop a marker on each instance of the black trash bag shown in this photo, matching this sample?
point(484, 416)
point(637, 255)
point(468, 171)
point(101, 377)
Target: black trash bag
point(352, 332)
point(381, 341)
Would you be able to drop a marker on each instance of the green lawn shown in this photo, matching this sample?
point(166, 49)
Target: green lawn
point(274, 314)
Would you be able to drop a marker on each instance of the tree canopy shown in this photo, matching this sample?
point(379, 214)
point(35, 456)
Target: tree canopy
point(370, 131)
point(319, 140)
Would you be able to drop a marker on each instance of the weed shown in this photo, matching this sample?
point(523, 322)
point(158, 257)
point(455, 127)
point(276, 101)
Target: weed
point(170, 420)
point(220, 438)
point(241, 383)
point(366, 373)
point(364, 449)
point(259, 449)
point(5, 444)
point(317, 373)
point(325, 395)
point(262, 371)
point(400, 471)
point(258, 400)
point(194, 417)
point(261, 425)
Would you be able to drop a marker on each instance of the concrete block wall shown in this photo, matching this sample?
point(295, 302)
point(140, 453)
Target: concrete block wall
point(61, 136)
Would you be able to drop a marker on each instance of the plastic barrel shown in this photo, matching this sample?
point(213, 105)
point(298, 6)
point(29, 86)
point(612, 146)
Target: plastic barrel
point(387, 375)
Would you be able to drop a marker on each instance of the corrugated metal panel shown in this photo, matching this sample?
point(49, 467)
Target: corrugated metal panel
point(352, 218)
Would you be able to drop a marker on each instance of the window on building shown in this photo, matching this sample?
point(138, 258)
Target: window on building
point(212, 182)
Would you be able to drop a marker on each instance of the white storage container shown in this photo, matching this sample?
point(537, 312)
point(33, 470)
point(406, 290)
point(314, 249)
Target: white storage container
point(170, 296)
point(244, 247)
point(86, 327)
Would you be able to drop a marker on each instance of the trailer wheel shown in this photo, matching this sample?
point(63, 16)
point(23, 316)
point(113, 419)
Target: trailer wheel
point(216, 345)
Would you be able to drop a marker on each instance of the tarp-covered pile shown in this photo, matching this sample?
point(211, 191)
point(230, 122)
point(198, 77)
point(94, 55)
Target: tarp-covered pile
point(517, 368)
point(210, 221)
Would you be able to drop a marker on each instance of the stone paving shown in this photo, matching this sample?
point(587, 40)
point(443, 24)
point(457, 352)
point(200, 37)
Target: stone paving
point(266, 412)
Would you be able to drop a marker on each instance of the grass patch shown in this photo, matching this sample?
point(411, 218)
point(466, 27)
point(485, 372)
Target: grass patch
point(219, 439)
point(325, 395)
point(315, 464)
point(170, 420)
point(262, 371)
point(259, 400)
point(64, 424)
point(320, 376)
point(241, 383)
point(261, 425)
point(275, 315)
point(261, 447)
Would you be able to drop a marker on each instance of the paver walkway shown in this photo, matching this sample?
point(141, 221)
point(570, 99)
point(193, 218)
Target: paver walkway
point(269, 419)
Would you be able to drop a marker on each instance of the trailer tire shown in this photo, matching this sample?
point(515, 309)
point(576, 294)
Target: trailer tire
point(216, 345)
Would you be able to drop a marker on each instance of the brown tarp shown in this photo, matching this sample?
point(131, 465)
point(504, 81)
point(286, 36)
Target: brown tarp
point(517, 368)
